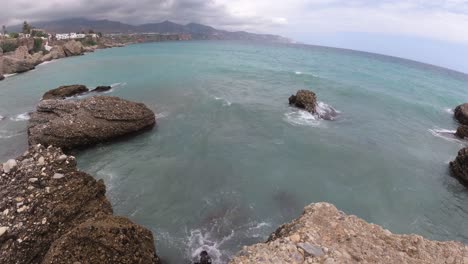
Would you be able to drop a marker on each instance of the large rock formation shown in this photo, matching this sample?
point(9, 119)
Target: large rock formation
point(325, 235)
point(304, 99)
point(461, 114)
point(100, 89)
point(11, 65)
point(63, 92)
point(56, 52)
point(459, 166)
point(73, 48)
point(462, 131)
point(74, 123)
point(52, 213)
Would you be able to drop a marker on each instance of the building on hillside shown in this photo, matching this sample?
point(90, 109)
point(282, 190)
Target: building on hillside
point(22, 35)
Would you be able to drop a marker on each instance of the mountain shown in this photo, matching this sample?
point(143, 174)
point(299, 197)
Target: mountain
point(198, 31)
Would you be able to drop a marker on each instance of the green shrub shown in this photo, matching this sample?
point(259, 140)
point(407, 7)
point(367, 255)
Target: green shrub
point(8, 46)
point(88, 42)
point(37, 44)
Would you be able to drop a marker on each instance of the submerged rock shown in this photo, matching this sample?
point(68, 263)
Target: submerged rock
point(70, 220)
point(325, 235)
point(2, 77)
point(459, 166)
point(63, 92)
point(462, 131)
point(304, 99)
point(461, 114)
point(100, 89)
point(75, 123)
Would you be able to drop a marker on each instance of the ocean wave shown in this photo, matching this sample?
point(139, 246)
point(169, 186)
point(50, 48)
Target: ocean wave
point(199, 241)
point(118, 84)
point(9, 75)
point(20, 117)
point(449, 110)
point(325, 111)
point(46, 62)
point(446, 134)
point(298, 73)
point(304, 118)
point(162, 115)
point(225, 102)
point(303, 73)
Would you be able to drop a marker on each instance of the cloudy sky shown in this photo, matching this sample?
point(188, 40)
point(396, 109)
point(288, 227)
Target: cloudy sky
point(434, 31)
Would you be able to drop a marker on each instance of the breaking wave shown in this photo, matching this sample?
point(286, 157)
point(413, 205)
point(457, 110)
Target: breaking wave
point(445, 134)
point(225, 102)
point(20, 117)
point(304, 118)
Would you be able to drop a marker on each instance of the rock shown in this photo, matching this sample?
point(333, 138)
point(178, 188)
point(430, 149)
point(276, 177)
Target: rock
point(75, 123)
point(63, 92)
point(73, 48)
point(9, 165)
point(114, 240)
point(33, 180)
point(58, 176)
point(304, 99)
point(13, 65)
point(55, 53)
point(2, 77)
point(462, 131)
point(101, 89)
point(459, 167)
point(62, 157)
point(70, 219)
point(330, 236)
point(21, 53)
point(461, 114)
point(41, 161)
point(3, 230)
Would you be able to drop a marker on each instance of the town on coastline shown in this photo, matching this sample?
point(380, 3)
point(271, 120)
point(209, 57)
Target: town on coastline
point(22, 51)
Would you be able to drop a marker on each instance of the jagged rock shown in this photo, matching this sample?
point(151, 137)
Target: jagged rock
point(304, 99)
point(2, 77)
point(74, 123)
point(462, 131)
point(459, 166)
point(330, 236)
point(107, 239)
point(62, 220)
point(9, 165)
point(56, 52)
point(63, 92)
point(73, 48)
point(101, 89)
point(461, 114)
point(13, 65)
point(21, 53)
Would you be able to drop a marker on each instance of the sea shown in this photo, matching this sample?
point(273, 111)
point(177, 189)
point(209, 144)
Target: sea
point(230, 160)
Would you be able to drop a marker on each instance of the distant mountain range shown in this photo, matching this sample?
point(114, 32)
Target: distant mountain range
point(197, 31)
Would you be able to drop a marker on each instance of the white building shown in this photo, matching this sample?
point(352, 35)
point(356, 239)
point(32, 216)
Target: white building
point(69, 36)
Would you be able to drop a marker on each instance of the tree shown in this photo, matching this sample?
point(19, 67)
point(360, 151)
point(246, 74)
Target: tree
point(4, 30)
point(26, 28)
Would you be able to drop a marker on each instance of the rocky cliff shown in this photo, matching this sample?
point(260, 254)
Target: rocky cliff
point(50, 212)
point(323, 234)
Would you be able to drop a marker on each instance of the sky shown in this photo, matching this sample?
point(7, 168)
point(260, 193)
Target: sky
point(432, 31)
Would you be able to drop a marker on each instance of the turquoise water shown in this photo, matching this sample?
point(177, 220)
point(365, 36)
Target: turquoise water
point(230, 160)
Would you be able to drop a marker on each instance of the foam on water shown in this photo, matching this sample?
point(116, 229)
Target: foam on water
point(298, 73)
point(199, 241)
point(445, 134)
point(20, 117)
point(302, 118)
point(8, 134)
point(9, 75)
point(162, 115)
point(325, 111)
point(46, 62)
point(449, 110)
point(225, 102)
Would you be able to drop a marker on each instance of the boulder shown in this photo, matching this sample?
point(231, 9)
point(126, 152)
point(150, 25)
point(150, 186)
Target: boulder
point(27, 42)
point(21, 53)
point(107, 239)
point(459, 167)
point(76, 123)
point(63, 92)
point(2, 77)
point(14, 65)
point(461, 114)
point(462, 132)
point(45, 214)
point(100, 89)
point(73, 48)
point(56, 52)
point(304, 99)
point(323, 234)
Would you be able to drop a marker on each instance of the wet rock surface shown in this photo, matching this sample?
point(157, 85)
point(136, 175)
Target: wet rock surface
point(78, 123)
point(63, 92)
point(47, 219)
point(304, 99)
point(324, 234)
point(462, 131)
point(459, 167)
point(461, 114)
point(100, 89)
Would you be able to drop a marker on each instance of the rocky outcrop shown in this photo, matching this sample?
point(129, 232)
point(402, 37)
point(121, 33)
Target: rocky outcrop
point(2, 77)
point(13, 65)
point(73, 48)
point(325, 235)
point(100, 89)
point(75, 123)
point(55, 53)
point(52, 213)
point(461, 114)
point(304, 99)
point(63, 92)
point(459, 167)
point(462, 131)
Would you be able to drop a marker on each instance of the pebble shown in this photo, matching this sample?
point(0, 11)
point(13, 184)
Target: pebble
point(22, 209)
point(44, 221)
point(33, 180)
point(311, 249)
point(58, 176)
point(9, 165)
point(6, 211)
point(41, 161)
point(295, 238)
point(62, 157)
point(3, 230)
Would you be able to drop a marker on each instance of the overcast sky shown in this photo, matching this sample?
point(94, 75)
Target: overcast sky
point(433, 31)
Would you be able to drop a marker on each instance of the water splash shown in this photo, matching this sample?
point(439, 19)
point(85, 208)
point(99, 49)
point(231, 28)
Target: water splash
point(446, 134)
point(225, 102)
point(20, 117)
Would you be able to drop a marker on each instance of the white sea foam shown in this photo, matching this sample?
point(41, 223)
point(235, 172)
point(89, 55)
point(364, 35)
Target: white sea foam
point(302, 118)
point(118, 84)
point(298, 73)
point(325, 111)
point(449, 110)
point(47, 62)
point(445, 134)
point(9, 75)
point(20, 117)
point(162, 115)
point(1, 117)
point(225, 102)
point(199, 241)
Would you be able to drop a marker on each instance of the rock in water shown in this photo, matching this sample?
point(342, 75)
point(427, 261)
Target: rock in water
point(325, 235)
point(2, 77)
point(64, 221)
point(100, 89)
point(63, 92)
point(461, 114)
point(304, 99)
point(462, 132)
point(69, 123)
point(459, 166)
point(15, 65)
